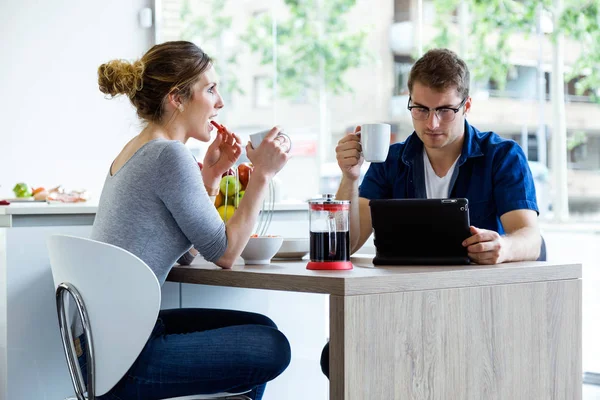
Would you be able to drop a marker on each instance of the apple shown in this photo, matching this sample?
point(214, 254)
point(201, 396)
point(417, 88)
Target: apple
point(230, 185)
point(230, 171)
point(238, 198)
point(244, 172)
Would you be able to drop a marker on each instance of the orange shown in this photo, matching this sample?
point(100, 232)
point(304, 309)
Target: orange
point(219, 200)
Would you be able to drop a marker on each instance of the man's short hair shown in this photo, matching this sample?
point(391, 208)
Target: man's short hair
point(441, 69)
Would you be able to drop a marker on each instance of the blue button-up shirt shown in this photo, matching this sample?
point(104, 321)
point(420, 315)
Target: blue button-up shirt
point(491, 172)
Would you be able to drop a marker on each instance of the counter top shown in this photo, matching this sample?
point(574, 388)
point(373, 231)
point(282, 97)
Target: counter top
point(48, 209)
point(91, 208)
point(367, 279)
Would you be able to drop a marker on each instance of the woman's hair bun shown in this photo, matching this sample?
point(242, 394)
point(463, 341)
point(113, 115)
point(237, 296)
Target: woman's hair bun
point(121, 77)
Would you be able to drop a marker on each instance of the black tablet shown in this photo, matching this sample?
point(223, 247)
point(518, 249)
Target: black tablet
point(420, 231)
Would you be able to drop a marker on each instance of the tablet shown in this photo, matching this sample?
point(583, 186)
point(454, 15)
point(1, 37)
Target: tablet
point(420, 231)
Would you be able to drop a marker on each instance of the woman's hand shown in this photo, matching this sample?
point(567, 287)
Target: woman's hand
point(270, 156)
point(221, 155)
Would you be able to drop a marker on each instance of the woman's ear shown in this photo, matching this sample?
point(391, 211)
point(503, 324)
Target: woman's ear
point(174, 99)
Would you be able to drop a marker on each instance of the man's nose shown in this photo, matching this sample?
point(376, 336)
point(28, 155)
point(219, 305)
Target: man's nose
point(433, 120)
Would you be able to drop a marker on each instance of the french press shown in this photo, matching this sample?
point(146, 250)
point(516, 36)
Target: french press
point(329, 234)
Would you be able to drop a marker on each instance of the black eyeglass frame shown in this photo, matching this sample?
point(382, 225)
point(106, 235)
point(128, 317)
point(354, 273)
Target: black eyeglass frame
point(456, 110)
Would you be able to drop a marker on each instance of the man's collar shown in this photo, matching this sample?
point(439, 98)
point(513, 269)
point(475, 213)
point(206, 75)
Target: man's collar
point(414, 146)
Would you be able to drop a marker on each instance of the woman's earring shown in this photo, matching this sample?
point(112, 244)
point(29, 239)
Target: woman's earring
point(180, 108)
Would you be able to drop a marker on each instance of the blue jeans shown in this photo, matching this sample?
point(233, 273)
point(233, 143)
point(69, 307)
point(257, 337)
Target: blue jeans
point(203, 351)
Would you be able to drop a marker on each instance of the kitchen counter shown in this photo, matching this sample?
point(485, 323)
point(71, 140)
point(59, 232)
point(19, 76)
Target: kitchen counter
point(44, 214)
point(42, 208)
point(18, 215)
point(508, 331)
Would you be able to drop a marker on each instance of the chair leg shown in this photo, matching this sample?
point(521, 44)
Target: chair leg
point(67, 340)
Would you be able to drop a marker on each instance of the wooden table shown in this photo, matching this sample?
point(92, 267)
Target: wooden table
point(510, 331)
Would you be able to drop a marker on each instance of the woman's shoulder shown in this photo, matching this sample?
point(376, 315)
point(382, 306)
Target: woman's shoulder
point(160, 146)
point(171, 159)
point(165, 151)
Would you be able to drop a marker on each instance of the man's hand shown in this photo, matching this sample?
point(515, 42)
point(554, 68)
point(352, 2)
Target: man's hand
point(486, 247)
point(349, 155)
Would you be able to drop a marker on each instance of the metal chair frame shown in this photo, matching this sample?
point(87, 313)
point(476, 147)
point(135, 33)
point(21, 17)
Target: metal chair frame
point(68, 345)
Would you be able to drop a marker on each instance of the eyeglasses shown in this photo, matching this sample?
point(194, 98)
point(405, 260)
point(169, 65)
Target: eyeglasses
point(444, 114)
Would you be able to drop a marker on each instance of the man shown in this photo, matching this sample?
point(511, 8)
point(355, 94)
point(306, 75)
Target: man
point(446, 157)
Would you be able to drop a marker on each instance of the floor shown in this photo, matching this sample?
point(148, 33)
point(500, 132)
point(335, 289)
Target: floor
point(581, 242)
point(591, 392)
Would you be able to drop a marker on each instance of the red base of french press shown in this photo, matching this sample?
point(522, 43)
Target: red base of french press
point(329, 265)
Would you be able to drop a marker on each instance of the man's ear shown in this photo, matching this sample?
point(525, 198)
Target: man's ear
point(467, 105)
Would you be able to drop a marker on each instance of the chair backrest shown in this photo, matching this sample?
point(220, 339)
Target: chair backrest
point(121, 295)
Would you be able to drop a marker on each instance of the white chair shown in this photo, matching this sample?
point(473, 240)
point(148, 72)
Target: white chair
point(116, 321)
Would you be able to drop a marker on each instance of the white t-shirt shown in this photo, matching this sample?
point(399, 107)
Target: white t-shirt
point(437, 187)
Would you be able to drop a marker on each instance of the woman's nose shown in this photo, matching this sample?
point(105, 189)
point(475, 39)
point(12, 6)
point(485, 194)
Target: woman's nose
point(219, 104)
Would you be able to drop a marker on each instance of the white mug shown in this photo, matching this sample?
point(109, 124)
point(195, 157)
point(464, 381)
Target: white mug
point(375, 140)
point(257, 138)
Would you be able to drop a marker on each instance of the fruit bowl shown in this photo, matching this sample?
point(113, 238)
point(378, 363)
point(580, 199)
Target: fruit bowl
point(232, 188)
point(260, 249)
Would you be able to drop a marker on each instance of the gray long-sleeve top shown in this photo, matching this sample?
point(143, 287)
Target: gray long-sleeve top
point(156, 207)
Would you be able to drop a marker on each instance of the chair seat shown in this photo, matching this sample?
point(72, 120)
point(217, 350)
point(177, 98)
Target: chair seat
point(112, 351)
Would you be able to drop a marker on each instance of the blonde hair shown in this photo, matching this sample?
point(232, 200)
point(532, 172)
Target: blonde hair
point(121, 77)
point(165, 68)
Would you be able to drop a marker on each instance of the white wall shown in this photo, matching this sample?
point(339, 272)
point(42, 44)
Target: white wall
point(55, 125)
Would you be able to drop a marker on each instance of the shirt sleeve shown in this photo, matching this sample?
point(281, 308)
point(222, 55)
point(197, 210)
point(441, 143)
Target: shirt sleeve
point(514, 188)
point(186, 258)
point(375, 184)
point(181, 189)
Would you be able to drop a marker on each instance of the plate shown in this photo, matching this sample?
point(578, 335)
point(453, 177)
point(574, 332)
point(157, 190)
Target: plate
point(364, 258)
point(293, 249)
point(292, 255)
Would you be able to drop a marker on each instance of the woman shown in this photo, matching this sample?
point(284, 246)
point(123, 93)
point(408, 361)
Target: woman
point(157, 204)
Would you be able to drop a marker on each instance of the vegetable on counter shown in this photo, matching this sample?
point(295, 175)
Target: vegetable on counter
point(55, 194)
point(22, 190)
point(39, 194)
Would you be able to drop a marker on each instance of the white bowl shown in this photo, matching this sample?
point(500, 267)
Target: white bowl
point(293, 248)
point(260, 250)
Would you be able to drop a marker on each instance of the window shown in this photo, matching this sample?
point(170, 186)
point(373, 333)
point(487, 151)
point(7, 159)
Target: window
point(402, 10)
point(521, 83)
point(301, 71)
point(263, 93)
point(572, 91)
point(402, 66)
